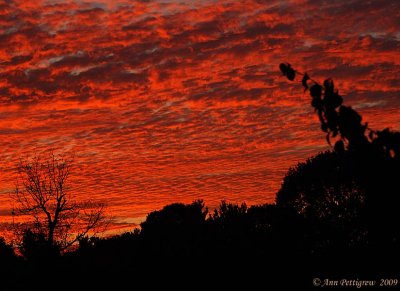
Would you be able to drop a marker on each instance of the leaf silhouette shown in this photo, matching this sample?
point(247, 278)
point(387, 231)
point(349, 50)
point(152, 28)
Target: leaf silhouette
point(337, 100)
point(332, 100)
point(317, 103)
point(316, 91)
point(283, 68)
point(290, 74)
point(287, 71)
point(329, 86)
point(304, 81)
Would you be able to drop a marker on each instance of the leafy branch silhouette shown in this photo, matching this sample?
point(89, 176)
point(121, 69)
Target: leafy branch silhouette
point(338, 120)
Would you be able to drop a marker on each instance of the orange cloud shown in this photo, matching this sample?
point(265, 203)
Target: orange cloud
point(162, 102)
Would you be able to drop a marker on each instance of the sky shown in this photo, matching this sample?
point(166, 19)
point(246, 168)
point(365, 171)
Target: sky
point(172, 101)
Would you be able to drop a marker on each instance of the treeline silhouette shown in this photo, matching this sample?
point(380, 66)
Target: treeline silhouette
point(271, 244)
point(336, 216)
point(233, 245)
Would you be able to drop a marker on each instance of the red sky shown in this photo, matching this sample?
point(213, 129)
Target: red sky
point(172, 101)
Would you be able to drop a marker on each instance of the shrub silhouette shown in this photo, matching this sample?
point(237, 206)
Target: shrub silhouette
point(255, 231)
point(176, 229)
point(10, 266)
point(323, 188)
point(7, 254)
point(36, 247)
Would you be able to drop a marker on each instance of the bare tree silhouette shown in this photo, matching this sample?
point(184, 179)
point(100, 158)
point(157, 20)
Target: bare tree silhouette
point(56, 216)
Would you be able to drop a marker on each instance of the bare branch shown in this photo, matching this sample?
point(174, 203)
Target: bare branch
point(41, 192)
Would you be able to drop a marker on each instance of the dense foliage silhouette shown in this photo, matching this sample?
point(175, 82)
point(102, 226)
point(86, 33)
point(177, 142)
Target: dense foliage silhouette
point(37, 248)
point(356, 184)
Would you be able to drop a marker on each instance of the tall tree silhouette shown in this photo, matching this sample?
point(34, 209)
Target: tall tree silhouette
point(57, 217)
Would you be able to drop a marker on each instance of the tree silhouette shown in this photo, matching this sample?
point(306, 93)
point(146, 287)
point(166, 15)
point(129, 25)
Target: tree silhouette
point(230, 224)
point(58, 220)
point(176, 229)
point(325, 193)
point(6, 252)
point(322, 188)
point(357, 183)
point(37, 248)
point(10, 266)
